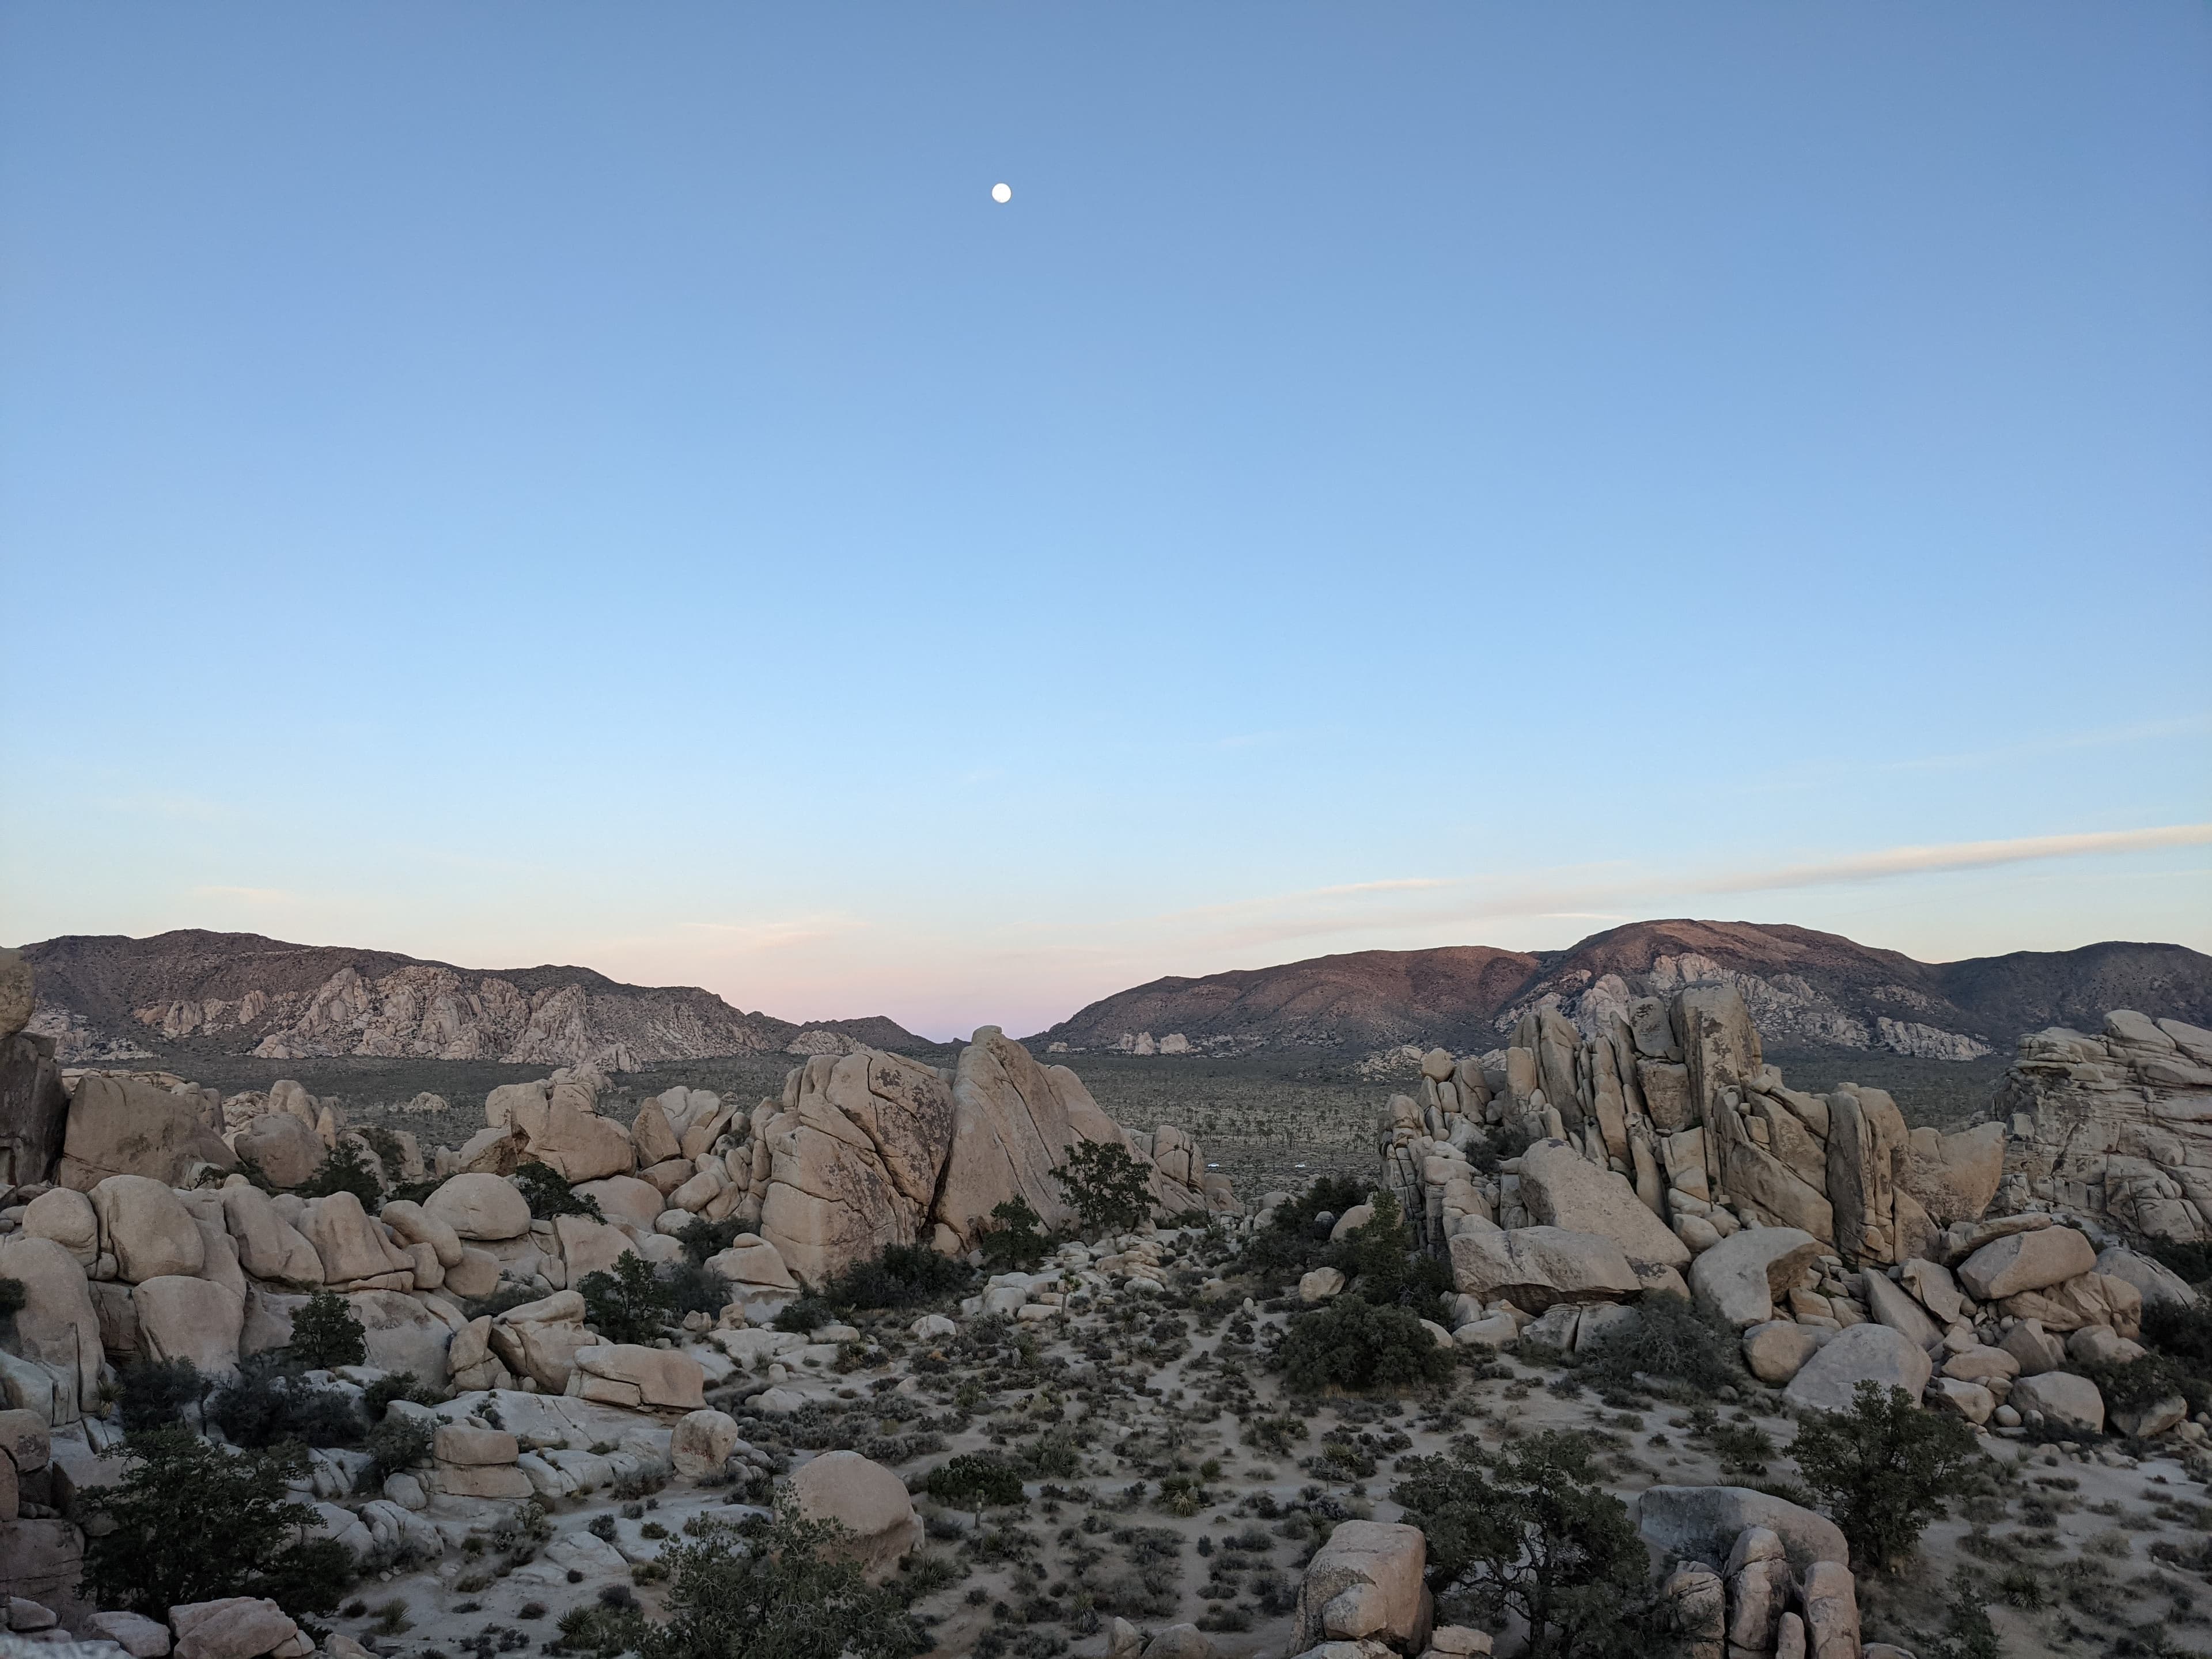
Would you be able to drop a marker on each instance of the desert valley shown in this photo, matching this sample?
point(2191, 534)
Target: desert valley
point(1729, 1290)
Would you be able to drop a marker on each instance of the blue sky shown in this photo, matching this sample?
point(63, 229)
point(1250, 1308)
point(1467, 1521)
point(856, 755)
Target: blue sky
point(606, 484)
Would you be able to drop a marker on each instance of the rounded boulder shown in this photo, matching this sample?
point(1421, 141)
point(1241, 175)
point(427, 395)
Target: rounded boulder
point(868, 1500)
point(478, 1205)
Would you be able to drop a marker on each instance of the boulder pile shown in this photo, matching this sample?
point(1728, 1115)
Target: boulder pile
point(1668, 1158)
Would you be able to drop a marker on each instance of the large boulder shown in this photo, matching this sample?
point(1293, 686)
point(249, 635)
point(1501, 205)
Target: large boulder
point(1703, 1523)
point(1534, 1268)
point(630, 1374)
point(413, 1224)
point(868, 1500)
point(269, 1246)
point(34, 1108)
point(2069, 1403)
point(1893, 1307)
point(1777, 1350)
point(194, 1319)
point(701, 1444)
point(855, 1152)
point(57, 1328)
point(2157, 1283)
point(1738, 1279)
point(625, 1199)
point(403, 1334)
point(237, 1627)
point(131, 1126)
point(480, 1206)
point(351, 1246)
point(1868, 1352)
point(19, 995)
point(2027, 1261)
point(286, 1151)
point(1563, 1188)
point(540, 1340)
point(1866, 1134)
point(568, 1136)
point(2089, 1299)
point(147, 1229)
point(1953, 1176)
point(66, 1216)
point(1367, 1584)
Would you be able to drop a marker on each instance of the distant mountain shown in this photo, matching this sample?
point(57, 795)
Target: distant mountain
point(1805, 989)
point(108, 997)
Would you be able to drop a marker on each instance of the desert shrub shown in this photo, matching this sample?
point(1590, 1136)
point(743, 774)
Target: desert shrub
point(1505, 1142)
point(378, 1396)
point(263, 1406)
point(975, 1481)
point(1544, 1540)
point(2135, 1384)
point(694, 1288)
point(154, 1391)
point(13, 1295)
point(1387, 1267)
point(1330, 1195)
point(413, 1192)
point(2183, 1338)
point(701, 1238)
point(327, 1332)
point(628, 1305)
point(779, 1592)
point(902, 1276)
point(1291, 1244)
point(1884, 1470)
point(549, 1196)
point(1108, 1190)
point(1015, 1239)
point(345, 1168)
point(1668, 1338)
point(193, 1523)
point(805, 1315)
point(399, 1443)
point(2192, 1260)
point(1353, 1345)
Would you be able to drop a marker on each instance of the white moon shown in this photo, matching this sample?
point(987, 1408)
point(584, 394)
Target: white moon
point(1002, 193)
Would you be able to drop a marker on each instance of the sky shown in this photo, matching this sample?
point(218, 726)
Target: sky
point(525, 482)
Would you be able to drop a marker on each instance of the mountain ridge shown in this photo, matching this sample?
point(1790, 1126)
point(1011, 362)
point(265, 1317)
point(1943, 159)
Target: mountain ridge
point(1805, 988)
point(111, 997)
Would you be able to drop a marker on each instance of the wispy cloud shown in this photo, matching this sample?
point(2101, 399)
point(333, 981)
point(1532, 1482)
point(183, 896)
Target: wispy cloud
point(1957, 856)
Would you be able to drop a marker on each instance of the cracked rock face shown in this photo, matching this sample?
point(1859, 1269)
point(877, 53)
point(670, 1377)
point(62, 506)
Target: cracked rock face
point(2117, 1125)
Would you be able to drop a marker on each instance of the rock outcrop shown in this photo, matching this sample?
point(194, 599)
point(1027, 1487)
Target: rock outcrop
point(2116, 1126)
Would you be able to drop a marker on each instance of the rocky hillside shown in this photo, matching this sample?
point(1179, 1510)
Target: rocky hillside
point(1805, 989)
point(108, 997)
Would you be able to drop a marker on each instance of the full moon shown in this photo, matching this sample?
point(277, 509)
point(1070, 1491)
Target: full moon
point(1002, 193)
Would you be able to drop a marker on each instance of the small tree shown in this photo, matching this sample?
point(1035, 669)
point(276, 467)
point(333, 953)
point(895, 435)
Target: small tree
point(1108, 1190)
point(1015, 1237)
point(629, 1304)
point(1544, 1540)
point(345, 1168)
point(548, 1195)
point(192, 1522)
point(1385, 1267)
point(1884, 1470)
point(154, 1391)
point(1666, 1338)
point(785, 1591)
point(327, 1332)
point(975, 1481)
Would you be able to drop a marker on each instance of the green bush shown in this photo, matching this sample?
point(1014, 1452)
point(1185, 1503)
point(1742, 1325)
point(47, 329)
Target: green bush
point(1389, 1268)
point(549, 1196)
point(2192, 1262)
point(2182, 1337)
point(701, 1238)
point(12, 1297)
point(804, 1316)
point(786, 1591)
point(629, 1304)
point(262, 1406)
point(901, 1277)
point(345, 1168)
point(378, 1396)
point(154, 1393)
point(2134, 1385)
point(1544, 1540)
point(1015, 1240)
point(327, 1333)
point(1884, 1470)
point(192, 1522)
point(399, 1443)
point(975, 1481)
point(694, 1288)
point(1668, 1338)
point(1352, 1345)
point(1108, 1190)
